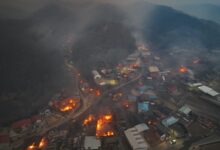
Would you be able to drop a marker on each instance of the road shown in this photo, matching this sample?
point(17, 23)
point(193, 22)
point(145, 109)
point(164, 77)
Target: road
point(203, 107)
point(88, 102)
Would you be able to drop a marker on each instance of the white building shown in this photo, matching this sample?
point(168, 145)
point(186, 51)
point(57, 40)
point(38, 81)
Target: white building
point(92, 143)
point(135, 138)
point(208, 90)
point(185, 110)
point(153, 69)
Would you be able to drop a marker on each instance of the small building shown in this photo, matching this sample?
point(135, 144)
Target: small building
point(169, 121)
point(92, 143)
point(135, 137)
point(153, 69)
point(185, 110)
point(143, 107)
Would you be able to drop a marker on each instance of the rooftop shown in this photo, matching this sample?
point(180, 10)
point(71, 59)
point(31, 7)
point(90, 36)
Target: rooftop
point(135, 138)
point(143, 107)
point(141, 127)
point(208, 90)
point(153, 69)
point(169, 121)
point(92, 143)
point(185, 110)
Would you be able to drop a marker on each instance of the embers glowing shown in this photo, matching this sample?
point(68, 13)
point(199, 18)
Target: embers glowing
point(38, 146)
point(66, 105)
point(89, 119)
point(102, 126)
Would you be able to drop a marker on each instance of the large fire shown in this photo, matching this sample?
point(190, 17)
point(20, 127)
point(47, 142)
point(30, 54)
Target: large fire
point(183, 69)
point(66, 105)
point(88, 119)
point(38, 146)
point(102, 126)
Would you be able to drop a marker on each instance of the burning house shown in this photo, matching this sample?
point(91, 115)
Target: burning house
point(66, 105)
point(39, 144)
point(103, 126)
point(88, 120)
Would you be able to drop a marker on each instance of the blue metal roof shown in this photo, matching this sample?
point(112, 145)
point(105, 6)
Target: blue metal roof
point(143, 106)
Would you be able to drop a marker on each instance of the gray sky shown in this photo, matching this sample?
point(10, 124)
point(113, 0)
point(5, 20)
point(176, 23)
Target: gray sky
point(23, 8)
point(183, 2)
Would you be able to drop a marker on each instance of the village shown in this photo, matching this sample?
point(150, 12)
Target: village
point(139, 104)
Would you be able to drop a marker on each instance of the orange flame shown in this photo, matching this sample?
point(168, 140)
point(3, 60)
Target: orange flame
point(42, 143)
point(66, 105)
point(32, 147)
point(108, 117)
point(97, 92)
point(183, 69)
point(89, 119)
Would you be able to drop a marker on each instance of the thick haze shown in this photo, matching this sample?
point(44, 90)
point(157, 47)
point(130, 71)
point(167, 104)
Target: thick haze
point(183, 2)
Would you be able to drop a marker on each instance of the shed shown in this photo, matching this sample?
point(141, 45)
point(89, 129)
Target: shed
point(143, 107)
point(169, 121)
point(136, 140)
point(185, 110)
point(208, 90)
point(91, 143)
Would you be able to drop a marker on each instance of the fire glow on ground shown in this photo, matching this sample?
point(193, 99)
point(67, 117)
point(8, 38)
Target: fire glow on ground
point(66, 105)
